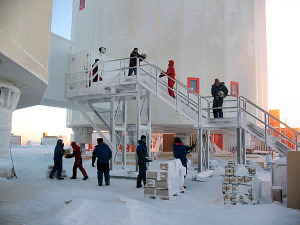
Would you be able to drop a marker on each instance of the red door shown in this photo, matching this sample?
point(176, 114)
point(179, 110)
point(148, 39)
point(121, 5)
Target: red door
point(218, 139)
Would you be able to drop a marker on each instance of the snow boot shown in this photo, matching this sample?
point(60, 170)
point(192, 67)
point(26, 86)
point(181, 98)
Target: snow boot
point(60, 178)
point(85, 178)
point(73, 177)
point(139, 182)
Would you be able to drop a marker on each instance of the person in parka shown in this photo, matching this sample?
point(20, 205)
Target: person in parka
point(58, 155)
point(134, 57)
point(78, 161)
point(142, 157)
point(103, 154)
point(171, 78)
point(180, 151)
point(219, 91)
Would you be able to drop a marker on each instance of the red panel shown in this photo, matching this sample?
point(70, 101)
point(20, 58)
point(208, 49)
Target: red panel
point(218, 140)
point(232, 83)
point(189, 79)
point(81, 4)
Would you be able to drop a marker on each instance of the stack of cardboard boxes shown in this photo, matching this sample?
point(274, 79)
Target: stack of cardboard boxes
point(166, 181)
point(239, 186)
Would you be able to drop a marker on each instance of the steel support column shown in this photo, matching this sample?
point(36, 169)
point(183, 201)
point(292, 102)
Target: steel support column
point(112, 131)
point(138, 124)
point(238, 145)
point(200, 164)
point(207, 133)
point(149, 130)
point(124, 143)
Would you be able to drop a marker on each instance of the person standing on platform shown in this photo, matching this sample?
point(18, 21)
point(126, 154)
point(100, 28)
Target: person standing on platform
point(78, 161)
point(103, 154)
point(134, 57)
point(142, 157)
point(219, 91)
point(58, 155)
point(171, 78)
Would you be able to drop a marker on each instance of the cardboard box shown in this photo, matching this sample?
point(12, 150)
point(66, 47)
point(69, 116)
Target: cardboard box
point(164, 166)
point(149, 191)
point(229, 171)
point(150, 182)
point(161, 184)
point(163, 176)
point(227, 188)
point(226, 180)
point(162, 192)
point(232, 180)
point(151, 174)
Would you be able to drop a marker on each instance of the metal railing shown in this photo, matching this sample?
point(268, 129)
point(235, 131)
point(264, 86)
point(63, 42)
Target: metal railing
point(235, 106)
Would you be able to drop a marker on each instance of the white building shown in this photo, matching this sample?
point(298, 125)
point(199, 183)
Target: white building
point(206, 39)
point(24, 54)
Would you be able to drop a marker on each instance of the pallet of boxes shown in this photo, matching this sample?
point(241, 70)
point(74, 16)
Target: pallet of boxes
point(240, 185)
point(165, 182)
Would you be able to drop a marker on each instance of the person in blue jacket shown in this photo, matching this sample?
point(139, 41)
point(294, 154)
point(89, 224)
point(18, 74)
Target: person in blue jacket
point(142, 157)
point(219, 92)
point(58, 155)
point(103, 154)
point(180, 151)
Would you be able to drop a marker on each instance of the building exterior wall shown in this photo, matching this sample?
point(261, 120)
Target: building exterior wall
point(24, 46)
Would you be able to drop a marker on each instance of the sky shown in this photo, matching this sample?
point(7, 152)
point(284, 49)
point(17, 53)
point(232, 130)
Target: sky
point(283, 49)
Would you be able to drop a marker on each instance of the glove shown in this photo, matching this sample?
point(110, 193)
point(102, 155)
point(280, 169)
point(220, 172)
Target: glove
point(193, 146)
point(93, 165)
point(161, 75)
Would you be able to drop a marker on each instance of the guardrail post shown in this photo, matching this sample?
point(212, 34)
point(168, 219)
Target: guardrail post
point(156, 80)
point(176, 98)
point(266, 127)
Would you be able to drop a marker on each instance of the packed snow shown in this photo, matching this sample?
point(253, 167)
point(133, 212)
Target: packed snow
point(34, 199)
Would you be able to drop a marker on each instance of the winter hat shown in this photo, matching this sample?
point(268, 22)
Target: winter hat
point(177, 140)
point(99, 140)
point(171, 63)
point(143, 137)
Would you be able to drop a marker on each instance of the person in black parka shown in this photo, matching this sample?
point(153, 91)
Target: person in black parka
point(58, 155)
point(142, 157)
point(219, 91)
point(103, 154)
point(134, 57)
point(180, 151)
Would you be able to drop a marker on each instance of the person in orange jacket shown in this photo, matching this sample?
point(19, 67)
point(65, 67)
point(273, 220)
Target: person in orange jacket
point(78, 161)
point(171, 78)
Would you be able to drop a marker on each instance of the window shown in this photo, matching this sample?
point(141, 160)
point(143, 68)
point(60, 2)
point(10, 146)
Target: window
point(81, 4)
point(234, 88)
point(194, 83)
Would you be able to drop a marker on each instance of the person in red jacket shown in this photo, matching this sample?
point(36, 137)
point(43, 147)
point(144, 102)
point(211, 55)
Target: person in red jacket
point(78, 161)
point(171, 78)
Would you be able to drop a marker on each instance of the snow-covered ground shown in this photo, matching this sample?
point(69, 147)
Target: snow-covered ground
point(34, 199)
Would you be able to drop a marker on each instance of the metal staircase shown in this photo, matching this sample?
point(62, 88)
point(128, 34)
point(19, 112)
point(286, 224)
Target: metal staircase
point(240, 113)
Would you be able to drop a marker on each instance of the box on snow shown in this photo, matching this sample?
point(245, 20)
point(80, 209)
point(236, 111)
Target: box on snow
point(161, 184)
point(162, 192)
point(150, 182)
point(151, 174)
point(149, 191)
point(164, 166)
point(229, 171)
point(164, 175)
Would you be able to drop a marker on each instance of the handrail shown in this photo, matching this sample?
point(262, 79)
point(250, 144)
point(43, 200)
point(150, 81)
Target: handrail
point(192, 99)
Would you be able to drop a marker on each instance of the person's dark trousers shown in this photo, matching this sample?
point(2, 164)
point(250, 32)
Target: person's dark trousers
point(185, 165)
point(57, 166)
point(142, 174)
point(79, 165)
point(106, 177)
point(131, 70)
point(218, 113)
